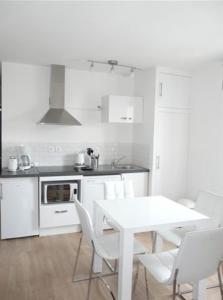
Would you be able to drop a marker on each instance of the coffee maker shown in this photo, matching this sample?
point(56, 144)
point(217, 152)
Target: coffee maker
point(24, 158)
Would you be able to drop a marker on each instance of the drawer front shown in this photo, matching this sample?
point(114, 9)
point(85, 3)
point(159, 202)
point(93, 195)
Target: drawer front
point(58, 215)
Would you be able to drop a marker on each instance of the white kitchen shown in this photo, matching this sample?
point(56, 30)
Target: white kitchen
point(111, 150)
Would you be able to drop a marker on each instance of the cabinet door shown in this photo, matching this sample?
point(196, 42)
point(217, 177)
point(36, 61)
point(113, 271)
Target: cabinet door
point(140, 183)
point(121, 109)
point(171, 154)
point(19, 207)
point(174, 91)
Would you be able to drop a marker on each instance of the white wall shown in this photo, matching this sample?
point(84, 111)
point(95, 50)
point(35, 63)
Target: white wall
point(143, 133)
point(205, 170)
point(25, 94)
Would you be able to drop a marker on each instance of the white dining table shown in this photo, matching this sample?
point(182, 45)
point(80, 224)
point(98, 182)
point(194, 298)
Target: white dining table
point(142, 214)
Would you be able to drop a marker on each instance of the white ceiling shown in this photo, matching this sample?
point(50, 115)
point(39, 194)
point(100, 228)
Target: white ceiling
point(178, 34)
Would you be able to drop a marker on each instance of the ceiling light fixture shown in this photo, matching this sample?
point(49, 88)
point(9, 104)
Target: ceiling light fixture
point(113, 63)
point(91, 65)
point(132, 72)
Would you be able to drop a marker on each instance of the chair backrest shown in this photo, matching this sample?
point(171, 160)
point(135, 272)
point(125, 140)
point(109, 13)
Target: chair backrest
point(86, 222)
point(210, 205)
point(119, 189)
point(199, 255)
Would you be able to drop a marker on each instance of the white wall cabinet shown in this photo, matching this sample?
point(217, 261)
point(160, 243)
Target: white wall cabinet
point(19, 207)
point(122, 109)
point(140, 182)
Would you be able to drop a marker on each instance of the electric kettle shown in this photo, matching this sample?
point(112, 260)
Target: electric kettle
point(12, 164)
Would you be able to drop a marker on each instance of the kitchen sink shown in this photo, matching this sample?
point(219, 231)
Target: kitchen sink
point(124, 167)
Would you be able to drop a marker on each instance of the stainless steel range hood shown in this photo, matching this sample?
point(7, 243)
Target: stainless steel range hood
point(57, 114)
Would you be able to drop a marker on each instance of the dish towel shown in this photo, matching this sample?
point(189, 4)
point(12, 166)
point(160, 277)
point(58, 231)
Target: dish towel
point(119, 189)
point(109, 190)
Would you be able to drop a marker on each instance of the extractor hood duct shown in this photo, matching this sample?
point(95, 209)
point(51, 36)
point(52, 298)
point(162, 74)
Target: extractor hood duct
point(57, 114)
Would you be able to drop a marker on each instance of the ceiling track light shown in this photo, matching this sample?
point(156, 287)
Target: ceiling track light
point(91, 65)
point(113, 63)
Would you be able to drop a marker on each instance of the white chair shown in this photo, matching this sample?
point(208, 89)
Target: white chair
point(208, 204)
point(105, 246)
point(199, 256)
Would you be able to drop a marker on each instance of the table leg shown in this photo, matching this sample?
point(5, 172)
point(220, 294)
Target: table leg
point(158, 247)
point(98, 227)
point(125, 265)
point(199, 290)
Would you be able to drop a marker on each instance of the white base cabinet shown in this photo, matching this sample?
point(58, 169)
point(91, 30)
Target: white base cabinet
point(140, 183)
point(19, 207)
point(56, 215)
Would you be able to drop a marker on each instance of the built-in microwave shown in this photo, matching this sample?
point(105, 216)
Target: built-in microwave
point(59, 191)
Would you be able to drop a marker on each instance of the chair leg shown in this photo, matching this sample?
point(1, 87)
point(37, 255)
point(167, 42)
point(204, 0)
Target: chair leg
point(136, 279)
point(175, 285)
point(147, 285)
point(220, 279)
point(77, 257)
point(154, 236)
point(90, 276)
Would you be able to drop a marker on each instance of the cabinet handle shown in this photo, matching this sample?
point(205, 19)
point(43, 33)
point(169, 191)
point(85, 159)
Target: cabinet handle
point(123, 118)
point(157, 162)
point(161, 89)
point(1, 193)
point(61, 211)
point(130, 118)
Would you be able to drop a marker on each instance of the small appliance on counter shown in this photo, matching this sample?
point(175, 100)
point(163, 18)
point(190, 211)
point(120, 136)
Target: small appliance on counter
point(12, 164)
point(24, 158)
point(93, 159)
point(80, 160)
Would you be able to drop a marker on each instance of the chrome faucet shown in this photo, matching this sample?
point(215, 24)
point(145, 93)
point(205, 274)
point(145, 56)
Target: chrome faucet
point(115, 162)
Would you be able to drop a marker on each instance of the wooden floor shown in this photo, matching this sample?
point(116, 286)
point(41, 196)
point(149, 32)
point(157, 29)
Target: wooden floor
point(41, 269)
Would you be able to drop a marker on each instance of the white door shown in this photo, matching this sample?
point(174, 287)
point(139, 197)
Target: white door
point(19, 207)
point(171, 154)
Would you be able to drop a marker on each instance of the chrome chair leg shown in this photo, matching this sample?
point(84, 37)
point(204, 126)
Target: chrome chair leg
point(107, 286)
point(90, 276)
point(220, 279)
point(175, 285)
point(154, 237)
point(77, 257)
point(147, 284)
point(136, 279)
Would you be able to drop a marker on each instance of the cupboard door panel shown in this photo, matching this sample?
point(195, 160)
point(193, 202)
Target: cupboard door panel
point(171, 154)
point(174, 91)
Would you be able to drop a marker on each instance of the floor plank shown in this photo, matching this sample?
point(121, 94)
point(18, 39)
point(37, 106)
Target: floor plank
point(40, 268)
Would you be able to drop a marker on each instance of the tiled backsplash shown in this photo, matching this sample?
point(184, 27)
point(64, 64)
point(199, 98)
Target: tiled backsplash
point(140, 155)
point(64, 153)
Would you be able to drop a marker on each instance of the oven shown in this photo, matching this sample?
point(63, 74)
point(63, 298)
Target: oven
point(60, 189)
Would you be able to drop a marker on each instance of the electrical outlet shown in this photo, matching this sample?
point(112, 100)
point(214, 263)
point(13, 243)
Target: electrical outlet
point(58, 149)
point(51, 149)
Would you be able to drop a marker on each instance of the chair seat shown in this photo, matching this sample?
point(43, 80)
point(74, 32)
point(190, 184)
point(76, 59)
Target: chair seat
point(107, 246)
point(187, 202)
point(176, 235)
point(160, 264)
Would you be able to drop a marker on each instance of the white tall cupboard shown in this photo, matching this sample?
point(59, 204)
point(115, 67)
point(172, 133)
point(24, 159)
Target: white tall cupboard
point(167, 94)
point(19, 207)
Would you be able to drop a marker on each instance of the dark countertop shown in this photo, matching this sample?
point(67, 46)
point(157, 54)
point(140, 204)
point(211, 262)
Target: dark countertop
point(33, 172)
point(70, 170)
